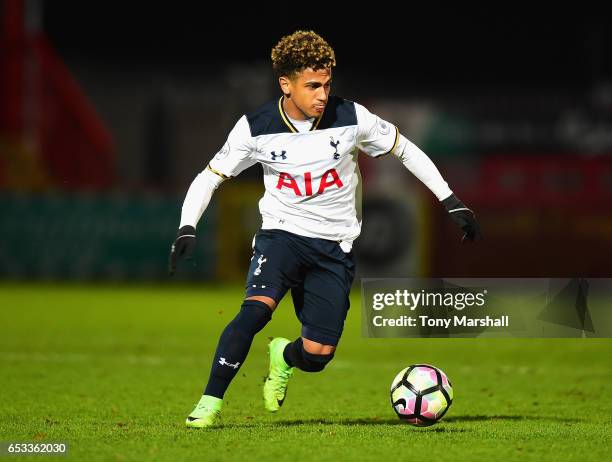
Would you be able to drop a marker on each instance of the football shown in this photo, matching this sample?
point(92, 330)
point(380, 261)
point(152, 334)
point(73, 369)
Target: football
point(421, 394)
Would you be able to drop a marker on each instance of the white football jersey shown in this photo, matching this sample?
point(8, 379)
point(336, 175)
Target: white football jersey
point(311, 177)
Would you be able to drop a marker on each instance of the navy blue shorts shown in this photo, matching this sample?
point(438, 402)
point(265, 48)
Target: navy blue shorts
point(318, 273)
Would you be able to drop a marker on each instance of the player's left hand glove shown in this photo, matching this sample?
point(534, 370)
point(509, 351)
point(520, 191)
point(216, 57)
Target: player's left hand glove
point(182, 247)
point(464, 217)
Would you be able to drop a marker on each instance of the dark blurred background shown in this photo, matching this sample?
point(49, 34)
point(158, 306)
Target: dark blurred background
point(108, 110)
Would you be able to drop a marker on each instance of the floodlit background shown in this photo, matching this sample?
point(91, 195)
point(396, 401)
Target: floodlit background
point(108, 113)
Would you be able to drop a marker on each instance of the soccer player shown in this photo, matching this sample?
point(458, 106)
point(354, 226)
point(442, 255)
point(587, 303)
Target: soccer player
point(307, 143)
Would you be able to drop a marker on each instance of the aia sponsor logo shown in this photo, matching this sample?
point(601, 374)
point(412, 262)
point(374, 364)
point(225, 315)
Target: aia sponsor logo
point(329, 179)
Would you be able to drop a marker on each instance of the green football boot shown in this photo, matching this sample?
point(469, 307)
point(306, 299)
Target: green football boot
point(207, 413)
point(275, 384)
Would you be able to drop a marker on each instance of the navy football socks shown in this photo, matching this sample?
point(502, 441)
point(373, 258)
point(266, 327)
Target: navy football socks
point(234, 345)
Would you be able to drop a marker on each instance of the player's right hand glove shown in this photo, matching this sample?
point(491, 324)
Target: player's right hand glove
point(182, 247)
point(464, 217)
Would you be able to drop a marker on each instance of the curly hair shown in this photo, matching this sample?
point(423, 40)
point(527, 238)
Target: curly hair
point(301, 50)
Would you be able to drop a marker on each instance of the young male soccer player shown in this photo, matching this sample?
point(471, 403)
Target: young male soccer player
point(307, 142)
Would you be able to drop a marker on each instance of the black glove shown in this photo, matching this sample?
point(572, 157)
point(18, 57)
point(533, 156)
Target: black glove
point(464, 217)
point(182, 247)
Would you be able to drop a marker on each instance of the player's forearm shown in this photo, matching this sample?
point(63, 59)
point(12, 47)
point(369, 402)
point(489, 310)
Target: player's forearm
point(198, 197)
point(422, 167)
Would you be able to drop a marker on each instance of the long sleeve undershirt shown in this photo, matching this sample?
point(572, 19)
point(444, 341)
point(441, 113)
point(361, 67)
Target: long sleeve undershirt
point(422, 167)
point(198, 196)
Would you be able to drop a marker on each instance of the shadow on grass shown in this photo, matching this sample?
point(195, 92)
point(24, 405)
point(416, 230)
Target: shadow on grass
point(341, 422)
point(439, 428)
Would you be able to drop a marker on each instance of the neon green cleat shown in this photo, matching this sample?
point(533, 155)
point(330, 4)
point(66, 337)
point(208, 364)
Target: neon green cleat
point(207, 413)
point(275, 384)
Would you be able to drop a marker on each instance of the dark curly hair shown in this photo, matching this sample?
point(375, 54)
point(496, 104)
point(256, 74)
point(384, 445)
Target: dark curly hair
point(301, 50)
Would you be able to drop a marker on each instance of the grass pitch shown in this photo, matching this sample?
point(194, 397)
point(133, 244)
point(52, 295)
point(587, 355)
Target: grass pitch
point(114, 371)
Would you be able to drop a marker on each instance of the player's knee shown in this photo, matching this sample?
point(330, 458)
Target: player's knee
point(317, 348)
point(313, 362)
point(253, 316)
point(268, 301)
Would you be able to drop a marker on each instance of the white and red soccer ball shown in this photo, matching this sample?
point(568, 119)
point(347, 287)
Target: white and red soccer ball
point(421, 394)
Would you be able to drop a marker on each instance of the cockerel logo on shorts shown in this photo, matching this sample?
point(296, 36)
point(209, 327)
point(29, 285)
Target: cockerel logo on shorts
point(261, 260)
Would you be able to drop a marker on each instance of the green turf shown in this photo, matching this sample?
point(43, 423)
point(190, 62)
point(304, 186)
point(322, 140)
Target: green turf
point(115, 370)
